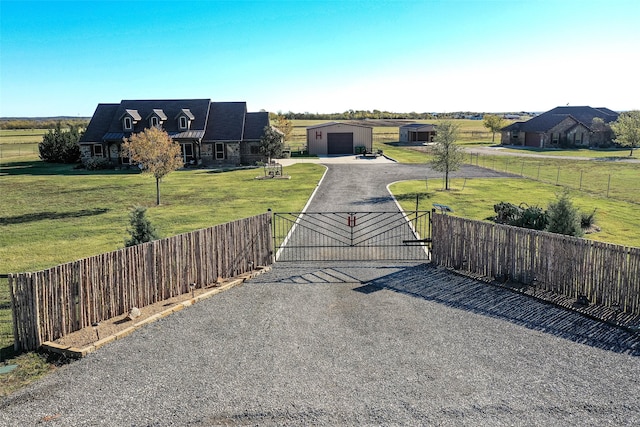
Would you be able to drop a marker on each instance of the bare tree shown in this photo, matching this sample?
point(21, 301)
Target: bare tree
point(284, 125)
point(447, 155)
point(156, 153)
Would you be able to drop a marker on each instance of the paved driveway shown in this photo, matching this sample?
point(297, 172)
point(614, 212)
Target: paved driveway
point(351, 344)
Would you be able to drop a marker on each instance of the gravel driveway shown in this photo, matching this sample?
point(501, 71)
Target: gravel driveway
point(345, 344)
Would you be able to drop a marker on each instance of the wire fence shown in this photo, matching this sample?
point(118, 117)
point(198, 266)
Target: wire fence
point(18, 150)
point(603, 178)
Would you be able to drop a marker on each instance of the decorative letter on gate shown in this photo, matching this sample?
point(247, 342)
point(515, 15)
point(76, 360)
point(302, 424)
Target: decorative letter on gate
point(318, 134)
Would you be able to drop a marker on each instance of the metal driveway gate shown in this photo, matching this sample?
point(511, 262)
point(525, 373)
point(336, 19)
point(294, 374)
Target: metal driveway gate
point(352, 236)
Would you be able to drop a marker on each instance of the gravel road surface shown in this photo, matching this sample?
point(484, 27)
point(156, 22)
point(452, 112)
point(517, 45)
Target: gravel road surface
point(351, 344)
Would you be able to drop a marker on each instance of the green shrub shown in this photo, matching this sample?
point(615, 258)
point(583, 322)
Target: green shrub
point(532, 217)
point(587, 221)
point(97, 163)
point(564, 218)
point(141, 230)
point(60, 146)
point(506, 213)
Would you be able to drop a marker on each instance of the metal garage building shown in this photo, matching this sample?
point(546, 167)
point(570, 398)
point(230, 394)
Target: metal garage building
point(417, 132)
point(338, 138)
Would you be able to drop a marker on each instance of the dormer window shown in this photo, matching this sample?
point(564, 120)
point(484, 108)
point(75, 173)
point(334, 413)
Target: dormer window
point(129, 119)
point(156, 118)
point(185, 117)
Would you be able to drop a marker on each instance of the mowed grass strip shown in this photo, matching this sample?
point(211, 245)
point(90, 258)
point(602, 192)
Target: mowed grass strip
point(606, 178)
point(52, 214)
point(475, 198)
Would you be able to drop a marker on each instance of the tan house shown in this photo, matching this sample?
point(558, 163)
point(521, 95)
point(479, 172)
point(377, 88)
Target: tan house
point(336, 138)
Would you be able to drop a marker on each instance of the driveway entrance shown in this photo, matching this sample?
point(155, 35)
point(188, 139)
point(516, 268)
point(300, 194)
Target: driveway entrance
point(351, 236)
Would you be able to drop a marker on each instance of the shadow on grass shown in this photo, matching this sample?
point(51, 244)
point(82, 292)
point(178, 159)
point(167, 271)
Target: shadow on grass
point(40, 216)
point(7, 353)
point(444, 287)
point(38, 167)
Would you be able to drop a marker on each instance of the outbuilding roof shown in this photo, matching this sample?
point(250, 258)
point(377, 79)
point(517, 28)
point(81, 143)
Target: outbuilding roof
point(322, 125)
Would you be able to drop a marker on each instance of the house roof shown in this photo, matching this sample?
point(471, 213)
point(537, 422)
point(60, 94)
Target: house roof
point(322, 125)
point(210, 121)
point(226, 121)
point(254, 125)
point(547, 120)
point(416, 126)
point(99, 122)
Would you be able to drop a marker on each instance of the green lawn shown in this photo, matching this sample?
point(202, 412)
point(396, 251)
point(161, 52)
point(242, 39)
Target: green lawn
point(474, 199)
point(51, 214)
point(606, 178)
point(591, 153)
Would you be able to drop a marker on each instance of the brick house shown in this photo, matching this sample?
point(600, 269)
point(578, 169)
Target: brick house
point(562, 126)
point(209, 133)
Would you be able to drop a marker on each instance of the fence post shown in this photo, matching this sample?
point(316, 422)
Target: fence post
point(580, 180)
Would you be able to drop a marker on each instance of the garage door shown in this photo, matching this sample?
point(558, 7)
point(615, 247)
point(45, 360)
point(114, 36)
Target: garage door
point(532, 139)
point(340, 143)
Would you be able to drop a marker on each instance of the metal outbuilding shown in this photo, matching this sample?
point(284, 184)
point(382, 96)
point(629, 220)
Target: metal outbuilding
point(417, 132)
point(339, 138)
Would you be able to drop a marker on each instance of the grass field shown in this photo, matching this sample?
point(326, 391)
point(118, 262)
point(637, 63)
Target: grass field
point(18, 144)
point(51, 214)
point(607, 178)
point(474, 198)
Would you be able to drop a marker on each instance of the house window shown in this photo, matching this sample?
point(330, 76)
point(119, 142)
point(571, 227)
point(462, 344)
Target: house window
point(555, 136)
point(578, 138)
point(96, 150)
point(154, 122)
point(184, 124)
point(127, 123)
point(187, 153)
point(254, 149)
point(219, 151)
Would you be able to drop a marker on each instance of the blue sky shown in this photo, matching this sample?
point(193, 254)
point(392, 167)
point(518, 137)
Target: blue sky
point(65, 57)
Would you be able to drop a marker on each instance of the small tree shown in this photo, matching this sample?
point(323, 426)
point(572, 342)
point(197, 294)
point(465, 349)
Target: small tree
point(494, 123)
point(563, 217)
point(627, 129)
point(271, 143)
point(141, 229)
point(156, 153)
point(447, 155)
point(60, 146)
point(284, 125)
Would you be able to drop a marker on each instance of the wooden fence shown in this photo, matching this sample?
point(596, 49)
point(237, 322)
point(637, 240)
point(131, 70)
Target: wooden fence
point(51, 303)
point(607, 274)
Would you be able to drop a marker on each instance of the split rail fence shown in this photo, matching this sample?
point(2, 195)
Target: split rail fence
point(607, 274)
point(52, 303)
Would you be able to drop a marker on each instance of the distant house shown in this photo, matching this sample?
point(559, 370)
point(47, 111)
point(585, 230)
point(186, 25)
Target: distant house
point(417, 132)
point(338, 138)
point(562, 126)
point(209, 133)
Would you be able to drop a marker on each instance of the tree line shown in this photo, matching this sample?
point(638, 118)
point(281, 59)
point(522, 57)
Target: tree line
point(377, 114)
point(43, 123)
